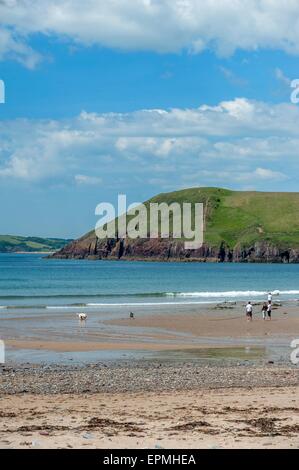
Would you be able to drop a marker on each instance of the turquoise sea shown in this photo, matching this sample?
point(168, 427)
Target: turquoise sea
point(32, 281)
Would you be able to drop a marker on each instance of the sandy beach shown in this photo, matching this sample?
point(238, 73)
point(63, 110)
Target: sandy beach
point(226, 418)
point(198, 378)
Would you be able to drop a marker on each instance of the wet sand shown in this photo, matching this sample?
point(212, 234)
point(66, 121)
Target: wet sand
point(224, 321)
point(86, 346)
point(198, 327)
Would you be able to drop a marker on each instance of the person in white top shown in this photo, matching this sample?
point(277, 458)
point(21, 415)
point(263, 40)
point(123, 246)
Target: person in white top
point(249, 311)
point(270, 297)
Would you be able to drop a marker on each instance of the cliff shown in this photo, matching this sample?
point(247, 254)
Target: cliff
point(239, 227)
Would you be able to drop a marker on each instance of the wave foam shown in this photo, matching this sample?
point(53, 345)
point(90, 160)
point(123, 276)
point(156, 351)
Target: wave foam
point(147, 304)
point(232, 294)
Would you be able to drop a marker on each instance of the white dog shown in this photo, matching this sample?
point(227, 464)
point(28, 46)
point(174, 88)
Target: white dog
point(82, 316)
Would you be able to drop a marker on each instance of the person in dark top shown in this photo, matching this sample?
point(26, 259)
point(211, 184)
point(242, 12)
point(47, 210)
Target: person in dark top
point(264, 310)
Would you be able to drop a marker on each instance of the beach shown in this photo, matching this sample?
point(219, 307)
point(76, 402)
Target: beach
point(200, 379)
point(164, 331)
point(150, 406)
point(187, 371)
point(149, 229)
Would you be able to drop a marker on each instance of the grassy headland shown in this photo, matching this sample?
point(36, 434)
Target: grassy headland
point(15, 244)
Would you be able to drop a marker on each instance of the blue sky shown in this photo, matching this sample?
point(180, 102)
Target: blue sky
point(145, 100)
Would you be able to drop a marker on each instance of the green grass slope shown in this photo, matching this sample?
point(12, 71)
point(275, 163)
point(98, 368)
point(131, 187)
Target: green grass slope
point(14, 244)
point(237, 219)
point(244, 217)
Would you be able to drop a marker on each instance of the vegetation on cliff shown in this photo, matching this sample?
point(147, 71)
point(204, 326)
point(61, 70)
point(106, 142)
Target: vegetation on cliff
point(14, 244)
point(238, 225)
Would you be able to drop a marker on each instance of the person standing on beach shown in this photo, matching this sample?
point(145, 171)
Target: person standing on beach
point(269, 310)
point(269, 298)
point(264, 310)
point(248, 309)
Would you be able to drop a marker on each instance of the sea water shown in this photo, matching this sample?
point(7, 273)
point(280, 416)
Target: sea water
point(33, 281)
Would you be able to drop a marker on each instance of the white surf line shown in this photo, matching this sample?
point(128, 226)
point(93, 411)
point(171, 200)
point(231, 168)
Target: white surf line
point(229, 294)
point(150, 304)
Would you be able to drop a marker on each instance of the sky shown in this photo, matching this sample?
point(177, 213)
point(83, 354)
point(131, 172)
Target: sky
point(141, 97)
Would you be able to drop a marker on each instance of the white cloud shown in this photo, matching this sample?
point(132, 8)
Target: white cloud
point(282, 77)
point(266, 174)
point(236, 175)
point(236, 140)
point(231, 77)
point(13, 47)
point(157, 25)
point(88, 180)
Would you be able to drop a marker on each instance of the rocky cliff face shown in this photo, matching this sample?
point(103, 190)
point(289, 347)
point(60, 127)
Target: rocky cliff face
point(239, 226)
point(172, 250)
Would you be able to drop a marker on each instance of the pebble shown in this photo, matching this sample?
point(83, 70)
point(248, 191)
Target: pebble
point(143, 376)
point(88, 435)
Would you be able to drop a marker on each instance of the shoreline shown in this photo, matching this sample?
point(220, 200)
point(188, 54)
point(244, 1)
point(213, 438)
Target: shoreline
point(27, 252)
point(213, 260)
point(184, 328)
point(196, 333)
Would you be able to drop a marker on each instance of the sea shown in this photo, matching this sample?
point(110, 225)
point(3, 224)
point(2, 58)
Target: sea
point(30, 281)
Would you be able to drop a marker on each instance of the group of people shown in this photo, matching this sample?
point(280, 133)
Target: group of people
point(266, 309)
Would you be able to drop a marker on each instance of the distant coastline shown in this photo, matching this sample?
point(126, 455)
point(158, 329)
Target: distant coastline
point(29, 253)
point(22, 245)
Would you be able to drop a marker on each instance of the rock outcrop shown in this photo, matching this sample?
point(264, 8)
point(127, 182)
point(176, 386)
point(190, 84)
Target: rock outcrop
point(173, 250)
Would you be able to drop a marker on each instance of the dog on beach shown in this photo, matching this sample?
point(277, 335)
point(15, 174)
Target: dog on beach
point(82, 316)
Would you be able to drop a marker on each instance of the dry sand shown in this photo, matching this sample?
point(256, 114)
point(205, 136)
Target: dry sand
point(227, 418)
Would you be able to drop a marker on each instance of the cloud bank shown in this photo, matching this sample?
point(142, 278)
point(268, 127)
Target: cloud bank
point(155, 25)
point(240, 141)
